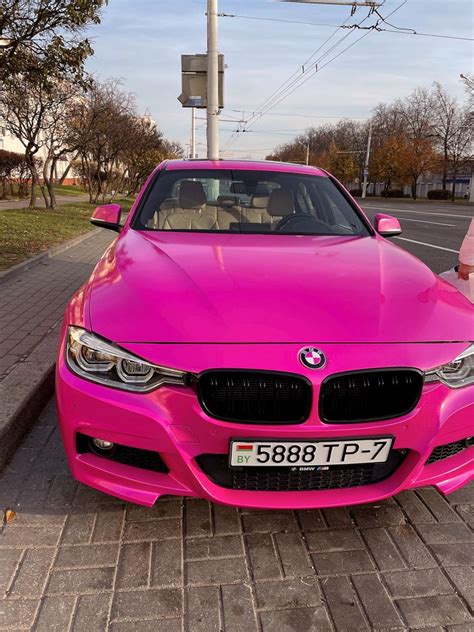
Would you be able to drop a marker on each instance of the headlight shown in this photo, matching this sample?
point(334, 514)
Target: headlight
point(100, 361)
point(456, 374)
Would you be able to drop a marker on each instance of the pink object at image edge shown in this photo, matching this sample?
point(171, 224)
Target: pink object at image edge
point(466, 254)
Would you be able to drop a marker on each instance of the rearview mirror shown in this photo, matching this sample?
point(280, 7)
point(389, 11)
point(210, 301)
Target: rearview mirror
point(107, 216)
point(387, 226)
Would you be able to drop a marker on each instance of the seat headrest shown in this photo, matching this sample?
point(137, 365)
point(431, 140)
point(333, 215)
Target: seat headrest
point(191, 194)
point(281, 203)
point(259, 201)
point(228, 200)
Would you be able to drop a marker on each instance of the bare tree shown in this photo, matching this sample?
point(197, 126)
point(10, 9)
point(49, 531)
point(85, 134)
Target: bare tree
point(116, 147)
point(459, 149)
point(58, 141)
point(102, 128)
point(36, 112)
point(144, 152)
point(468, 81)
point(446, 111)
point(389, 131)
point(339, 148)
point(23, 107)
point(417, 113)
point(425, 132)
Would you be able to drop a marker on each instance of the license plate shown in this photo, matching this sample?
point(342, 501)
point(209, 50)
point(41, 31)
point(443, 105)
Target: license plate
point(308, 453)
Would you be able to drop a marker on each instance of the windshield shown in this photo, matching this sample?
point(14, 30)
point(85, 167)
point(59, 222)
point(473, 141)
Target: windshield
point(268, 202)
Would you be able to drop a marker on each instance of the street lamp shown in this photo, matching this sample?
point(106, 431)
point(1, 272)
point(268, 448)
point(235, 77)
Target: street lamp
point(468, 80)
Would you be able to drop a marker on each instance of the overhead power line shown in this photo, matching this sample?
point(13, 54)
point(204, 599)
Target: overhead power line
point(270, 133)
point(291, 88)
point(309, 116)
point(258, 18)
point(293, 82)
point(437, 35)
point(394, 29)
point(307, 65)
point(289, 82)
point(299, 78)
point(228, 151)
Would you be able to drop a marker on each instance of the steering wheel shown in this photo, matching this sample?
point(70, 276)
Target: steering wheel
point(292, 221)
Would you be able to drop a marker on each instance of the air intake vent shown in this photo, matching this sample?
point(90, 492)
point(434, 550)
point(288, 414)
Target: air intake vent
point(373, 395)
point(143, 459)
point(255, 396)
point(285, 479)
point(448, 449)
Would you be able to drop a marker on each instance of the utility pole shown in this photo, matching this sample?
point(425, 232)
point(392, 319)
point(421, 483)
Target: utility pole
point(307, 153)
point(366, 166)
point(212, 80)
point(193, 133)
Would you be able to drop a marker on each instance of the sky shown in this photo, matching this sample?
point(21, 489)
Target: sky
point(141, 42)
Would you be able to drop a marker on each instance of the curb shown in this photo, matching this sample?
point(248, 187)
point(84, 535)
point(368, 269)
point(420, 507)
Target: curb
point(24, 393)
point(418, 202)
point(17, 269)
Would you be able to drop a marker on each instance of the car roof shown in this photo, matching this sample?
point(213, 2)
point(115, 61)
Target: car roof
point(243, 165)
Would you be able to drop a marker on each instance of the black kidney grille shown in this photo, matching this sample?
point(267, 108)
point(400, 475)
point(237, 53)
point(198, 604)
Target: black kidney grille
point(446, 450)
point(135, 457)
point(284, 479)
point(255, 396)
point(369, 395)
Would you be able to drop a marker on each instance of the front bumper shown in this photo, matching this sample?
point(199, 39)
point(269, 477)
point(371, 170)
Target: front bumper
point(171, 422)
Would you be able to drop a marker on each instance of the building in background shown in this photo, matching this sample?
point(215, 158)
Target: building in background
point(8, 142)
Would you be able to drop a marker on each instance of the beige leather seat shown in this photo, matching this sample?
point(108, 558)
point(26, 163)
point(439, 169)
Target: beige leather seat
point(228, 211)
point(156, 222)
point(257, 213)
point(222, 216)
point(280, 204)
point(228, 201)
point(226, 218)
point(191, 212)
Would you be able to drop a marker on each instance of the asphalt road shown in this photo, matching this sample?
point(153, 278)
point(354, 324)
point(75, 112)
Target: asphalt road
point(432, 232)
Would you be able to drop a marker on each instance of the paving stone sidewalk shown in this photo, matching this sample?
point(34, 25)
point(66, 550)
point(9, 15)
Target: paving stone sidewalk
point(75, 559)
point(34, 301)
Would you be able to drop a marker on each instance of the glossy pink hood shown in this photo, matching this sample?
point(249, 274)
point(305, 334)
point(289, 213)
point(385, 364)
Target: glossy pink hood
point(190, 287)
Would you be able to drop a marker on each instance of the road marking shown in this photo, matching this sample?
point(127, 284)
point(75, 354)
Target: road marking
point(422, 243)
point(425, 221)
point(400, 210)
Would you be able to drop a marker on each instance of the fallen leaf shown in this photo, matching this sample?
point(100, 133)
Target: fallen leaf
point(9, 516)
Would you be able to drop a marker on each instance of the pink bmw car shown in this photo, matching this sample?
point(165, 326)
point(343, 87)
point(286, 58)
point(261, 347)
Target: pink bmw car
point(251, 338)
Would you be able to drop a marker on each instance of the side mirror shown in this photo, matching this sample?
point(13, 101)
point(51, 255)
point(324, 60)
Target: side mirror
point(107, 216)
point(387, 226)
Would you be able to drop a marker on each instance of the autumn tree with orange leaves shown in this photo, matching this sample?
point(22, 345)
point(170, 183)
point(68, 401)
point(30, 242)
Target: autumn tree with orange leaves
point(427, 132)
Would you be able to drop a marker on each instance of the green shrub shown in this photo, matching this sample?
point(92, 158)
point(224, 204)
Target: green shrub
point(393, 193)
point(439, 194)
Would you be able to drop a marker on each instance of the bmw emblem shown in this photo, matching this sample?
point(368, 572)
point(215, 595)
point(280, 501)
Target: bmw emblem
point(312, 358)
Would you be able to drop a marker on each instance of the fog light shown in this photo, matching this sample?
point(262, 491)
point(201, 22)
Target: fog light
point(103, 446)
